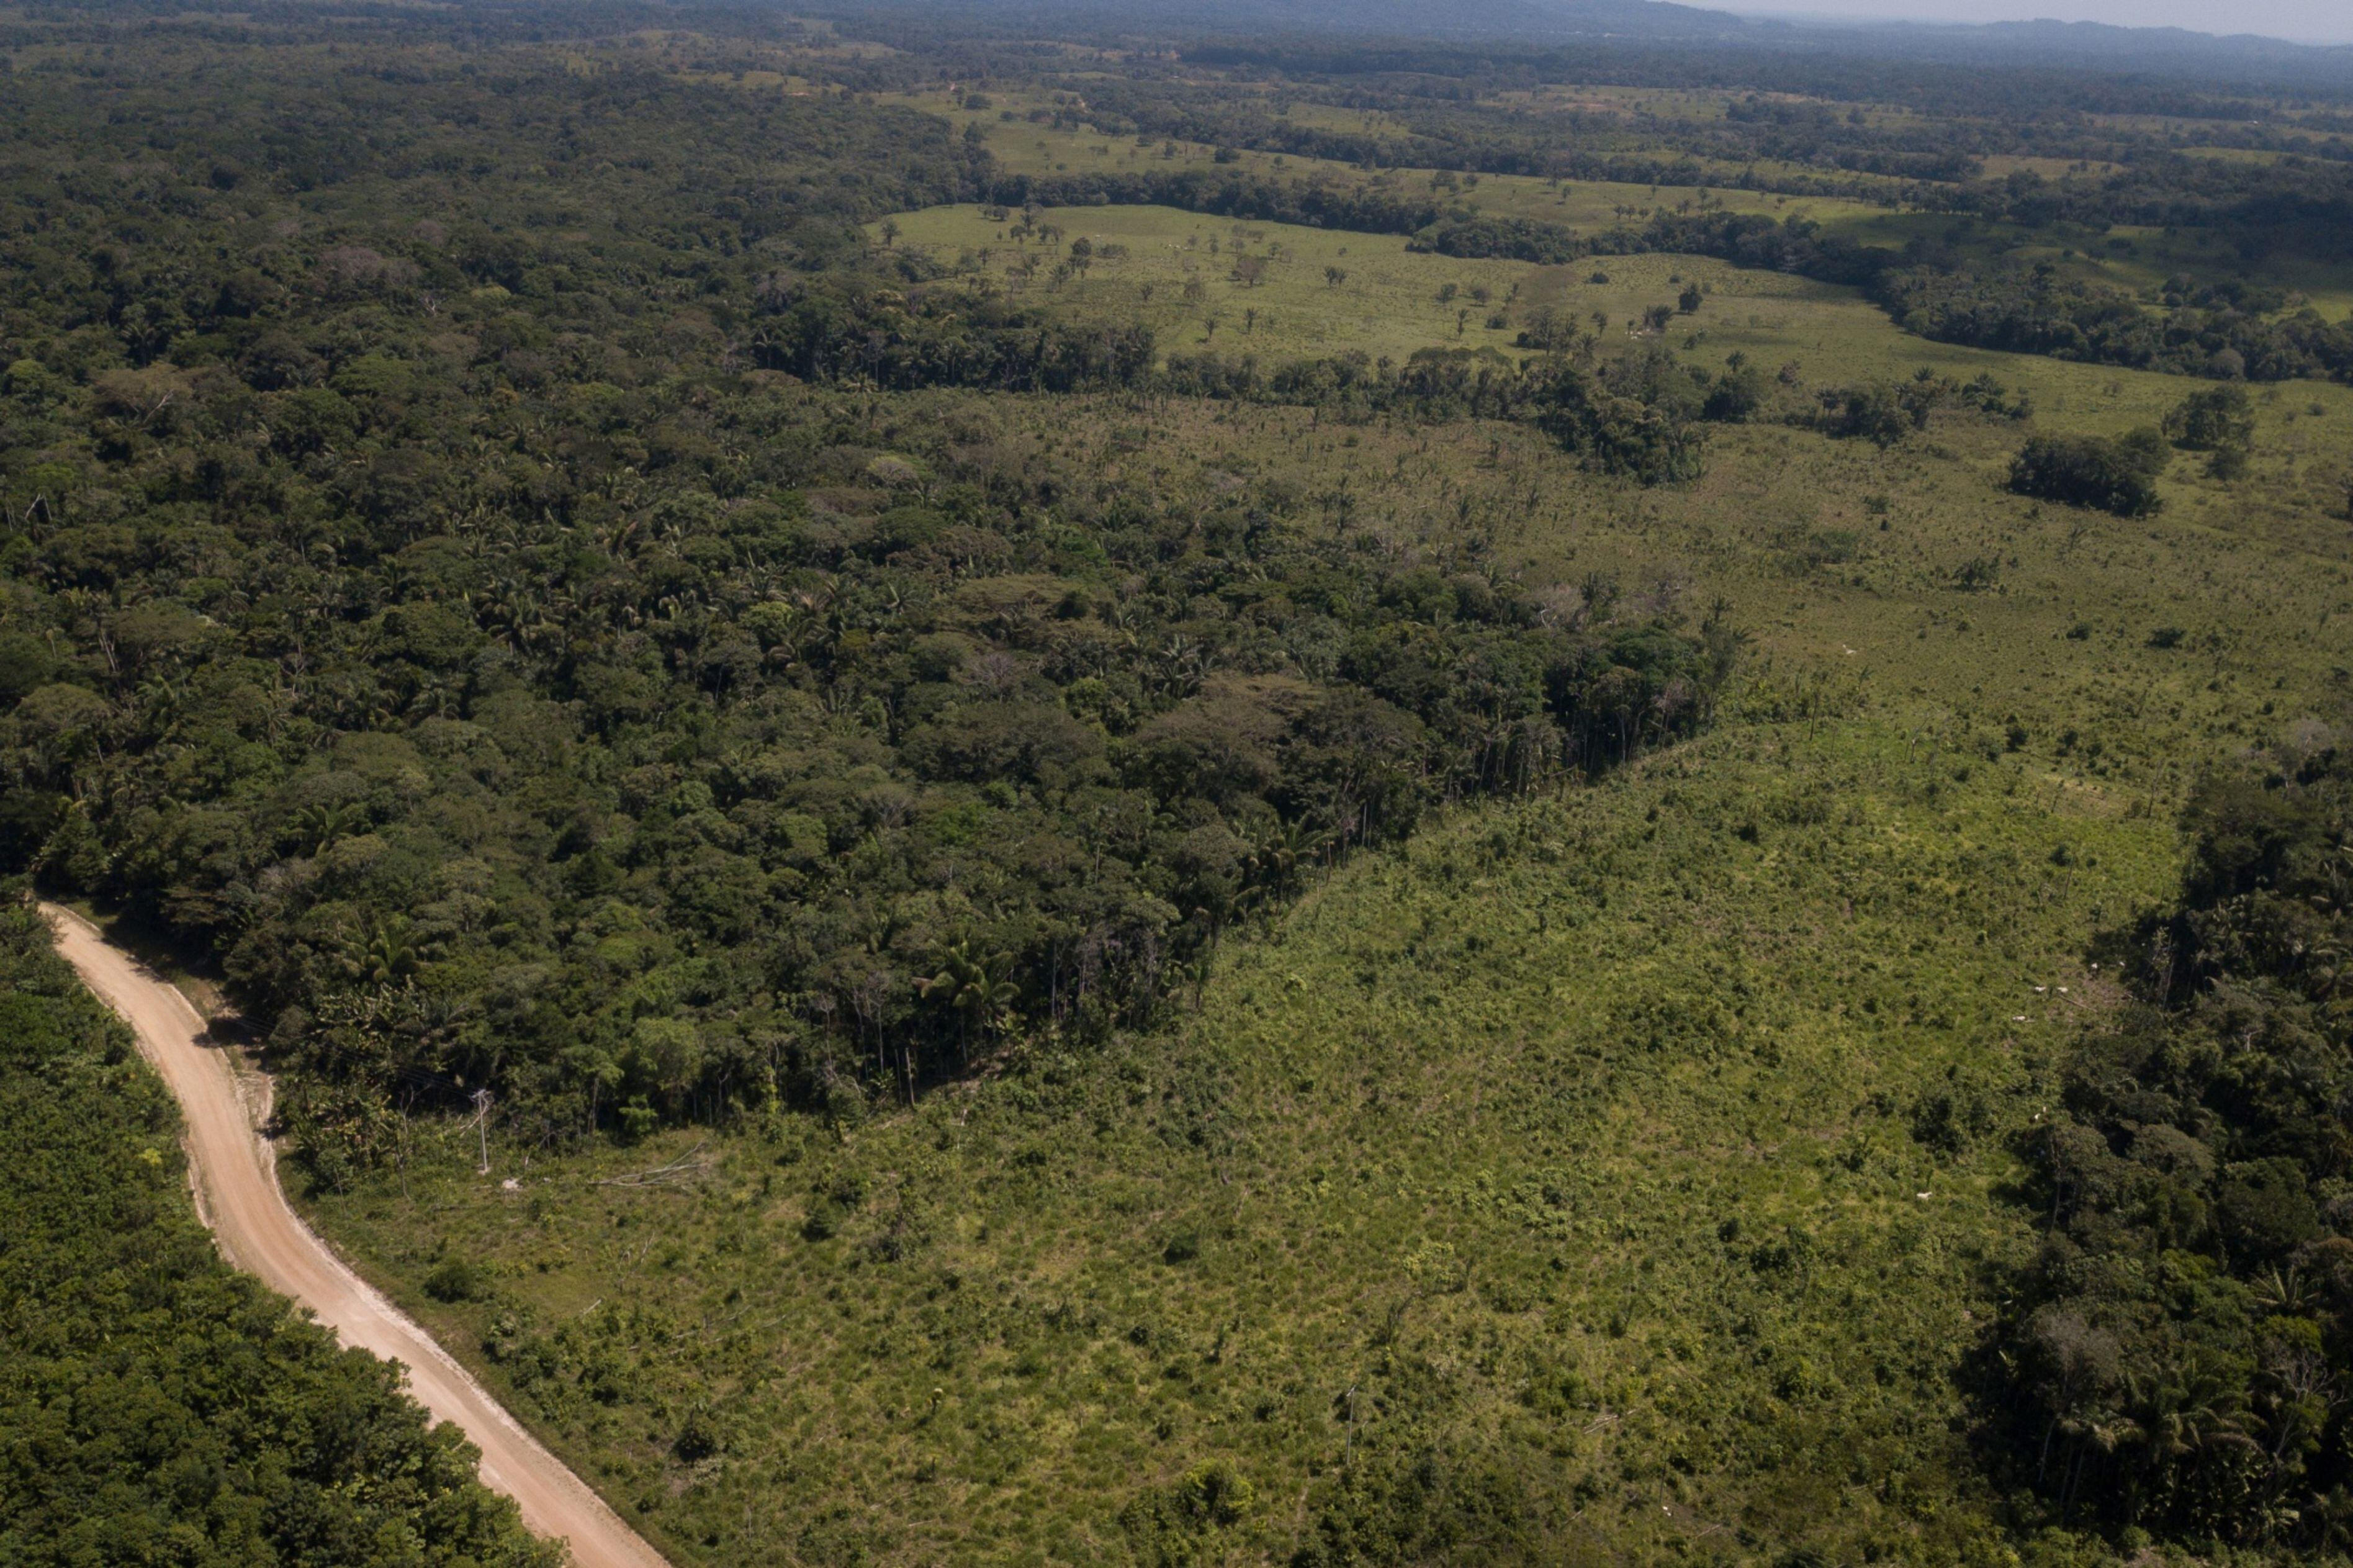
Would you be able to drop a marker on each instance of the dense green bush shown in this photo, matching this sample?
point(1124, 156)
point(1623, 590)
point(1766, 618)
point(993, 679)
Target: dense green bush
point(2095, 472)
point(2211, 418)
point(155, 1407)
point(872, 331)
point(1639, 416)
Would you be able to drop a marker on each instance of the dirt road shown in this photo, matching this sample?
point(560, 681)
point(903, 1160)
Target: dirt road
point(236, 1184)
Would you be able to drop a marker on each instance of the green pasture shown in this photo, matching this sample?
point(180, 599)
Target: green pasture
point(1177, 275)
point(1389, 303)
point(1023, 146)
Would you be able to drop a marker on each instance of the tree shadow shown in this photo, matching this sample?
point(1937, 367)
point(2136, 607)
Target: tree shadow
point(177, 962)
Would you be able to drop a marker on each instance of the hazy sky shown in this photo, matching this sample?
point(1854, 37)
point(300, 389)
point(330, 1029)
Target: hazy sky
point(2329, 21)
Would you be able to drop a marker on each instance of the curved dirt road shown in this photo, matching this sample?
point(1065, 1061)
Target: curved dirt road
point(236, 1186)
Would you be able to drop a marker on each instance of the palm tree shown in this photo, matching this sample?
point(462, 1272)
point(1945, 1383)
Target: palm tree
point(2284, 1291)
point(1275, 863)
point(386, 957)
point(976, 989)
point(2193, 1416)
point(2332, 977)
point(316, 826)
point(163, 698)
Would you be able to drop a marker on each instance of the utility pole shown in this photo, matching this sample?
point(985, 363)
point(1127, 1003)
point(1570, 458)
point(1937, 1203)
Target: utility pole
point(482, 1127)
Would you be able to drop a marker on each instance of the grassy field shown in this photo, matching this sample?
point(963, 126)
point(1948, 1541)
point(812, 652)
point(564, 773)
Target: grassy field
point(1024, 146)
point(1389, 302)
point(1389, 299)
point(1639, 1153)
point(1176, 270)
point(1178, 275)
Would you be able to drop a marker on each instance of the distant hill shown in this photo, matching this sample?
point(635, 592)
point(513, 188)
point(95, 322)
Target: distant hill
point(2174, 53)
point(2241, 57)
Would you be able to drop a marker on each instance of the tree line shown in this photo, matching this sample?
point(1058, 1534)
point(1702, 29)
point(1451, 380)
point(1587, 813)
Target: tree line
point(2180, 1349)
